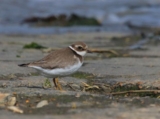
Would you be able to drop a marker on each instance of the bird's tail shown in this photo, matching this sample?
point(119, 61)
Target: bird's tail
point(23, 65)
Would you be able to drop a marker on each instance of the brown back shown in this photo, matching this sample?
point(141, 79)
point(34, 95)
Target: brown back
point(57, 59)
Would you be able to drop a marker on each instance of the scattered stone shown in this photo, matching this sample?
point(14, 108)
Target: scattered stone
point(7, 100)
point(15, 109)
point(74, 86)
point(10, 100)
point(42, 103)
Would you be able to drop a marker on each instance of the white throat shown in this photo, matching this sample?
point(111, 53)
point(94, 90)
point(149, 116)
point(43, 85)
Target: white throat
point(79, 53)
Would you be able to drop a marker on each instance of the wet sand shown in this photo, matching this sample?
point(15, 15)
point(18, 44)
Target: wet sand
point(104, 73)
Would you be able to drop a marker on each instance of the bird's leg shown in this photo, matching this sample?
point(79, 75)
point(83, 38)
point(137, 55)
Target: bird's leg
point(57, 84)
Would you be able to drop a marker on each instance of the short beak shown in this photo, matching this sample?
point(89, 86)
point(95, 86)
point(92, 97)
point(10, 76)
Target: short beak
point(89, 51)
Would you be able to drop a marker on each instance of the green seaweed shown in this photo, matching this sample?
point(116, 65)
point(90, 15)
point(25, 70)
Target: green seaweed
point(33, 45)
point(47, 84)
point(62, 20)
point(76, 20)
point(18, 56)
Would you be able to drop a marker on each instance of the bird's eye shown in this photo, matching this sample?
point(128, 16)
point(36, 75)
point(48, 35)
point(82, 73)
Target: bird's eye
point(80, 48)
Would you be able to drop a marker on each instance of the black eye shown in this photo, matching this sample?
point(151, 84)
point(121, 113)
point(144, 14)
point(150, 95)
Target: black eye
point(80, 48)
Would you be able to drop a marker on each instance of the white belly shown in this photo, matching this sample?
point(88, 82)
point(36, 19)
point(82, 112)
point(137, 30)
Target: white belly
point(51, 73)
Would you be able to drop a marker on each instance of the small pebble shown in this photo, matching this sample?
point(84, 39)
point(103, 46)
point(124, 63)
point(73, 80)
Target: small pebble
point(15, 109)
point(42, 103)
point(7, 100)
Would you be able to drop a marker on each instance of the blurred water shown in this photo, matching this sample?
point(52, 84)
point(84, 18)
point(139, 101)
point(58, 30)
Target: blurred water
point(113, 14)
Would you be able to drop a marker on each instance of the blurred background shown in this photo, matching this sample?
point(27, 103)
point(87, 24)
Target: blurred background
point(61, 16)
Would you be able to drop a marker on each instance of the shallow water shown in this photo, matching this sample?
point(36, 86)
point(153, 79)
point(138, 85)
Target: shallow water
point(112, 15)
